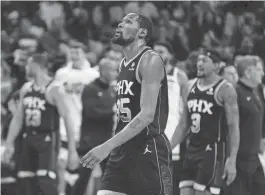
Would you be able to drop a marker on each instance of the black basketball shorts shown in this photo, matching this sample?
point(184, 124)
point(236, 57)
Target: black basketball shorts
point(39, 155)
point(140, 168)
point(204, 170)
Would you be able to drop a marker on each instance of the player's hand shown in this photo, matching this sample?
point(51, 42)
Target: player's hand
point(95, 156)
point(73, 160)
point(8, 153)
point(230, 171)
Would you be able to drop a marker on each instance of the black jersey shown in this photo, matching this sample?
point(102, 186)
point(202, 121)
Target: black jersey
point(206, 115)
point(128, 97)
point(39, 115)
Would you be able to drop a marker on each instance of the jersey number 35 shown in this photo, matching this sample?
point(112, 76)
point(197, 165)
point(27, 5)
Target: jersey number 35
point(123, 112)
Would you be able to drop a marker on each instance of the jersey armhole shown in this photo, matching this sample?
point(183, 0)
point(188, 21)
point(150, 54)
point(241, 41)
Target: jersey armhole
point(217, 89)
point(137, 67)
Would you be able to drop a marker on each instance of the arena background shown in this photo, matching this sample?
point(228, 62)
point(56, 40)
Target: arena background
point(232, 28)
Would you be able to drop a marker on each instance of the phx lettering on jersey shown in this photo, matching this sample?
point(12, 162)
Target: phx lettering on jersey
point(201, 106)
point(124, 87)
point(34, 103)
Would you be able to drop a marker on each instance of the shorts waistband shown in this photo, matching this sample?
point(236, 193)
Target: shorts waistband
point(38, 132)
point(155, 135)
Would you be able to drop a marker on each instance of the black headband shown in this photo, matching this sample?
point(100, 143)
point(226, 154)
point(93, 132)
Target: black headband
point(211, 54)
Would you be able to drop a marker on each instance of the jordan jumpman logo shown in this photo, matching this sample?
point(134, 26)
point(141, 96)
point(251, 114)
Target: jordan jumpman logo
point(147, 150)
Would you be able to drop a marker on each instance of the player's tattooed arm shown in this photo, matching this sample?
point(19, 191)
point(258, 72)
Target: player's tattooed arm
point(151, 73)
point(17, 121)
point(228, 96)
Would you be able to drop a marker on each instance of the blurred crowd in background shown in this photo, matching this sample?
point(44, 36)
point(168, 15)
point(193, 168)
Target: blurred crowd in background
point(231, 28)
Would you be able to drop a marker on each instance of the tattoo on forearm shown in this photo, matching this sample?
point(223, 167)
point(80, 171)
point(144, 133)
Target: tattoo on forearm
point(136, 123)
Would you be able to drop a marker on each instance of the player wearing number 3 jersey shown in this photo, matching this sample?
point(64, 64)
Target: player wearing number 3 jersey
point(210, 101)
point(140, 156)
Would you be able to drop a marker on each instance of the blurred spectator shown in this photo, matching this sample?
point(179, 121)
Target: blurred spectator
point(51, 10)
point(229, 72)
point(116, 14)
point(114, 55)
point(131, 7)
point(77, 26)
point(98, 100)
point(6, 81)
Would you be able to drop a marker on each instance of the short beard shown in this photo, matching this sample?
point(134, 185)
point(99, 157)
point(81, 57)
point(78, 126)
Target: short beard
point(121, 41)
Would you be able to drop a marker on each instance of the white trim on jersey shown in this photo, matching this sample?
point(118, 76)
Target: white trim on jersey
point(191, 84)
point(158, 167)
point(121, 64)
point(126, 63)
point(137, 67)
point(205, 88)
point(216, 92)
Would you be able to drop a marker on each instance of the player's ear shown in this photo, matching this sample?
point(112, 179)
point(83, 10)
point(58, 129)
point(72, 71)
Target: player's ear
point(143, 33)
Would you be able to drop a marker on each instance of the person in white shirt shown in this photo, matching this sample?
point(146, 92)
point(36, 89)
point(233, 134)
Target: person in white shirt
point(75, 75)
point(177, 80)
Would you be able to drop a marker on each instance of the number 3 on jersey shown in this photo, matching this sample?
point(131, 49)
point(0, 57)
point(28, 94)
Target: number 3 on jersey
point(195, 123)
point(123, 112)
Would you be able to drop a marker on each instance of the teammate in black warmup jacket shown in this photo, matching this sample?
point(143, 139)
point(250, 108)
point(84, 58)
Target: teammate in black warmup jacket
point(98, 100)
point(250, 178)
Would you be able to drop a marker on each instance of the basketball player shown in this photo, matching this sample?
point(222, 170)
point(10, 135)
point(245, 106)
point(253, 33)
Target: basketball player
point(209, 99)
point(41, 102)
point(139, 154)
point(73, 76)
point(250, 176)
point(177, 86)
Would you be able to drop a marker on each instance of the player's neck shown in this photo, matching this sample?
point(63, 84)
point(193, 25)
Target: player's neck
point(130, 51)
point(42, 80)
point(209, 80)
point(248, 83)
